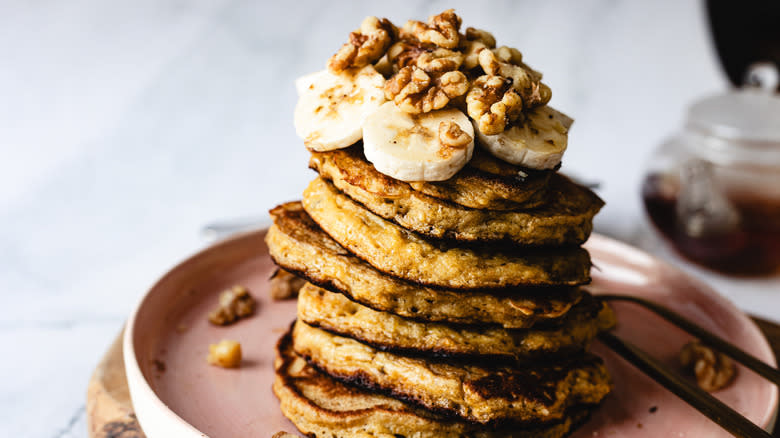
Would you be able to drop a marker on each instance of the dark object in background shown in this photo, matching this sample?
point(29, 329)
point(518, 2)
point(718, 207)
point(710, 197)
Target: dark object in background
point(745, 32)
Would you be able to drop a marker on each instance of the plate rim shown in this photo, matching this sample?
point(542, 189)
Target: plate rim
point(156, 418)
point(153, 415)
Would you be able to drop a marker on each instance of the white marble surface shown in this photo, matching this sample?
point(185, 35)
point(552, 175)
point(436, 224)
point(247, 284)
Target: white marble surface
point(127, 126)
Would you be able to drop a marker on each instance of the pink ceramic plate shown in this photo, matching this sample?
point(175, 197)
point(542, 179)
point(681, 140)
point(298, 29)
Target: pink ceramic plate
point(175, 393)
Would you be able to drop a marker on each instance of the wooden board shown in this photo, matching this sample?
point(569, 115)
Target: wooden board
point(110, 411)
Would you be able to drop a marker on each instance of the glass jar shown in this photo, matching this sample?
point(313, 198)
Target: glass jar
point(713, 190)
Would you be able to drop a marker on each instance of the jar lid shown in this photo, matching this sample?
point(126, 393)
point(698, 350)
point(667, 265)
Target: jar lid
point(746, 115)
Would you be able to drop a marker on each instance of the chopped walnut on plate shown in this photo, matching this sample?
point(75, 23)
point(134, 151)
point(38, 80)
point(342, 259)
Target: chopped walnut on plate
point(225, 354)
point(285, 285)
point(713, 370)
point(234, 304)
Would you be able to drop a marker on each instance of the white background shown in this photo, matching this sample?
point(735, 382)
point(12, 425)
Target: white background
point(127, 126)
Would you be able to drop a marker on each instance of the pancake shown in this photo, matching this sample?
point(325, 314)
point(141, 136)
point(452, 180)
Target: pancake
point(565, 219)
point(298, 245)
point(489, 183)
point(387, 332)
point(487, 395)
point(321, 406)
point(396, 251)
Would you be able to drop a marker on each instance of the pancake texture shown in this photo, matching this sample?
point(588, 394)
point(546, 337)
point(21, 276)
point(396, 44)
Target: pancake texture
point(321, 406)
point(487, 395)
point(565, 219)
point(298, 245)
point(396, 251)
point(387, 332)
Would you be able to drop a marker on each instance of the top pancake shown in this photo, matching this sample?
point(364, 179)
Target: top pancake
point(394, 250)
point(565, 218)
point(490, 183)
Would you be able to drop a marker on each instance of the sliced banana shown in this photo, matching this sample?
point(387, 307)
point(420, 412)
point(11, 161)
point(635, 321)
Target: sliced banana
point(303, 83)
point(332, 107)
point(537, 142)
point(425, 147)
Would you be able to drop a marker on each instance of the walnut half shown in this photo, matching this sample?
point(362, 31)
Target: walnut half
point(713, 370)
point(441, 30)
point(508, 62)
point(431, 59)
point(415, 92)
point(365, 46)
point(492, 103)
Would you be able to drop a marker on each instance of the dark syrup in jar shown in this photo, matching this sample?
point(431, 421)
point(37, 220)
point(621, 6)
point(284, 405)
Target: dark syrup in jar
point(750, 247)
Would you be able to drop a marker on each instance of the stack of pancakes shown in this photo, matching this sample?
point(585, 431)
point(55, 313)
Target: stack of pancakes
point(448, 308)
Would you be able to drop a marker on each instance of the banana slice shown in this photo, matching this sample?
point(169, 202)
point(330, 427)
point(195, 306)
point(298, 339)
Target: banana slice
point(538, 142)
point(332, 107)
point(303, 83)
point(425, 147)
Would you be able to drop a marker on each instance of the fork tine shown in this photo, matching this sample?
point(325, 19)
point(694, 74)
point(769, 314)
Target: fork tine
point(708, 338)
point(708, 405)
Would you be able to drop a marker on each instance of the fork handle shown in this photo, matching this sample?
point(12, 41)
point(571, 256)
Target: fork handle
point(708, 405)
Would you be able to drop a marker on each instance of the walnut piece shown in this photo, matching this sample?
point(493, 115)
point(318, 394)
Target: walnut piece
point(415, 92)
point(285, 285)
point(441, 30)
point(365, 46)
point(431, 59)
point(452, 137)
point(492, 103)
point(234, 304)
point(507, 62)
point(404, 53)
point(439, 60)
point(509, 55)
point(713, 370)
point(471, 51)
point(225, 354)
point(515, 57)
point(482, 36)
point(473, 42)
point(283, 434)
